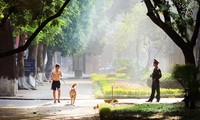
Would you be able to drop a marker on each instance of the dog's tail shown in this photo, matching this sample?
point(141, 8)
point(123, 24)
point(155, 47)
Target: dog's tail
point(74, 85)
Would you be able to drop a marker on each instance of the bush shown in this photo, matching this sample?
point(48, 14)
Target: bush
point(102, 77)
point(121, 75)
point(105, 112)
point(167, 81)
point(122, 70)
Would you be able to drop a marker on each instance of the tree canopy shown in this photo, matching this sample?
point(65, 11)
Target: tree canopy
point(26, 11)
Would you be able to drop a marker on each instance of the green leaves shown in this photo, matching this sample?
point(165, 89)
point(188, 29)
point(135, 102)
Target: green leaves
point(181, 12)
point(186, 75)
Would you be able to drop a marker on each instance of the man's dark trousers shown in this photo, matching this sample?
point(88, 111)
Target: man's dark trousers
point(155, 87)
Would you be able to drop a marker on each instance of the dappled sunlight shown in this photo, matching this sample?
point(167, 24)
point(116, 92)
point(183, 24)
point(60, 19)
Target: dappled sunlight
point(147, 111)
point(49, 110)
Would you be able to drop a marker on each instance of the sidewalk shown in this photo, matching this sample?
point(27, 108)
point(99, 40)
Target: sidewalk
point(44, 91)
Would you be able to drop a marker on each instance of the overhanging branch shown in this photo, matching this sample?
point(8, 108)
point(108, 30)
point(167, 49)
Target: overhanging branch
point(31, 38)
point(176, 38)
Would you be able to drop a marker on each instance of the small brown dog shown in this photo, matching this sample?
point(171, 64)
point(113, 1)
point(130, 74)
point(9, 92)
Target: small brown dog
point(73, 93)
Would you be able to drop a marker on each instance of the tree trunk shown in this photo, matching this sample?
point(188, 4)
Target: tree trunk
point(49, 65)
point(33, 55)
point(189, 55)
point(189, 98)
point(44, 55)
point(22, 84)
point(78, 65)
point(8, 82)
point(40, 59)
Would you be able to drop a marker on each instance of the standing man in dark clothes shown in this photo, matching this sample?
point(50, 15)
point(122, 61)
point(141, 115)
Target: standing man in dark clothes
point(156, 75)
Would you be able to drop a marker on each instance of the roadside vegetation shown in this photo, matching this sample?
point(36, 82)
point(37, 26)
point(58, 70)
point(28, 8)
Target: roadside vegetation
point(147, 111)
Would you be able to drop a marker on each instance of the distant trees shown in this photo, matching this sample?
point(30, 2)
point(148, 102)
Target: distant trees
point(133, 41)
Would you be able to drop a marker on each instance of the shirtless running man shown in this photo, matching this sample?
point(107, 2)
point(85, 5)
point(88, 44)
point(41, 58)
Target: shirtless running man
point(56, 75)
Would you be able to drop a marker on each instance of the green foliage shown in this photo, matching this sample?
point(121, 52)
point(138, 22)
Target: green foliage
point(121, 75)
point(101, 77)
point(122, 70)
point(146, 75)
point(187, 76)
point(28, 15)
point(125, 65)
point(105, 112)
point(147, 111)
point(76, 38)
point(167, 81)
point(3, 8)
point(181, 13)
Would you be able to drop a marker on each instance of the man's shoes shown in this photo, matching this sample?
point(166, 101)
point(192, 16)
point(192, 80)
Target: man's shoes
point(158, 101)
point(58, 101)
point(149, 101)
point(54, 101)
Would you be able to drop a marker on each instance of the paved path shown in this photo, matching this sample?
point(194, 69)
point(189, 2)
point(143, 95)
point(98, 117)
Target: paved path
point(47, 110)
point(44, 91)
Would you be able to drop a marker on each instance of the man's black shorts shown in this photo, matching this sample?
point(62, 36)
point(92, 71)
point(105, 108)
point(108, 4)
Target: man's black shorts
point(55, 85)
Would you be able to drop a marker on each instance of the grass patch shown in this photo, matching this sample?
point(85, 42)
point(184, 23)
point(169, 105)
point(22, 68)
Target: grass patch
point(124, 89)
point(147, 111)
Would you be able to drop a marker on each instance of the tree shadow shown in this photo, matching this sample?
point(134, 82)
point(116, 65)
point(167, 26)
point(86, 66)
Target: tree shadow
point(48, 112)
point(177, 112)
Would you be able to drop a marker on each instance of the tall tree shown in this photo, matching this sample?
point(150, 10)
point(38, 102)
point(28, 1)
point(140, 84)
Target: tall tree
point(8, 76)
point(175, 19)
